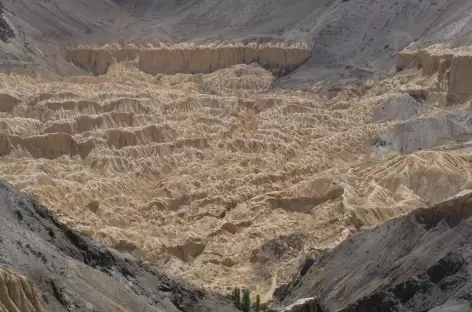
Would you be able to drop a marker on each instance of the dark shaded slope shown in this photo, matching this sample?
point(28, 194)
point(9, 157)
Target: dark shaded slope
point(414, 263)
point(5, 30)
point(75, 274)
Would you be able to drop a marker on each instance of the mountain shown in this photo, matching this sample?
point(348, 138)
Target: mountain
point(226, 141)
point(45, 266)
point(419, 262)
point(345, 43)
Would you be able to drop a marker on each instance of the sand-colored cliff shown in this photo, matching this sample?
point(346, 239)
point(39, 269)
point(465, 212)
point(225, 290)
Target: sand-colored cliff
point(18, 294)
point(215, 177)
point(451, 65)
point(190, 58)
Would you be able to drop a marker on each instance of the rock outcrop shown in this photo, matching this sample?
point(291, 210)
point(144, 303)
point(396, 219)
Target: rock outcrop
point(400, 107)
point(63, 271)
point(190, 58)
point(452, 66)
point(5, 29)
point(423, 133)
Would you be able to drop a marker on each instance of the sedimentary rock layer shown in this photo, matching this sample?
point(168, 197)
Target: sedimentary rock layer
point(452, 66)
point(17, 293)
point(190, 58)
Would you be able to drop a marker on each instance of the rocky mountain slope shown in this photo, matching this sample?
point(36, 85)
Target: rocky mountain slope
point(419, 262)
point(6, 33)
point(344, 41)
point(44, 267)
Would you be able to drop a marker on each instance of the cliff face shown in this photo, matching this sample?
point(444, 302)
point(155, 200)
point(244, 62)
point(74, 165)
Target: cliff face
point(44, 266)
point(190, 58)
point(420, 262)
point(451, 66)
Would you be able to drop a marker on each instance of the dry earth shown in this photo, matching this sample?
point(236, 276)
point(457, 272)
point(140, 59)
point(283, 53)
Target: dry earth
point(17, 292)
point(222, 180)
point(188, 155)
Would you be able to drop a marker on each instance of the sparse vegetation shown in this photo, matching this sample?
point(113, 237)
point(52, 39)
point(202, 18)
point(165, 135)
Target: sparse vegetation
point(237, 297)
point(256, 307)
point(244, 303)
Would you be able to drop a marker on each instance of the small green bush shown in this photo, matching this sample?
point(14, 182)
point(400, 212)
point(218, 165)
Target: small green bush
point(237, 297)
point(246, 301)
point(256, 307)
point(243, 302)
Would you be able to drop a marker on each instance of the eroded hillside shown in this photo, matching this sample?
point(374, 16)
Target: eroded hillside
point(223, 180)
point(280, 59)
point(45, 267)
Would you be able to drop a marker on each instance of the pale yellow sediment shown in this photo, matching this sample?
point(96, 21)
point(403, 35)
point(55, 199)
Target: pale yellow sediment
point(207, 174)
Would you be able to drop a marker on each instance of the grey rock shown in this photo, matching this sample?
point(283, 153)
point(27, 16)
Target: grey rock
point(453, 306)
point(418, 262)
point(75, 273)
point(423, 133)
point(398, 107)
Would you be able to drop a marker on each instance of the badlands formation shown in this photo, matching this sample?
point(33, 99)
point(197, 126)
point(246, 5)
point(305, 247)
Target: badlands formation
point(280, 59)
point(221, 179)
point(18, 292)
point(226, 142)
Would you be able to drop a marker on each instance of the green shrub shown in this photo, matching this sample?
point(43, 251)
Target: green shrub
point(237, 297)
point(256, 307)
point(246, 301)
point(243, 302)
